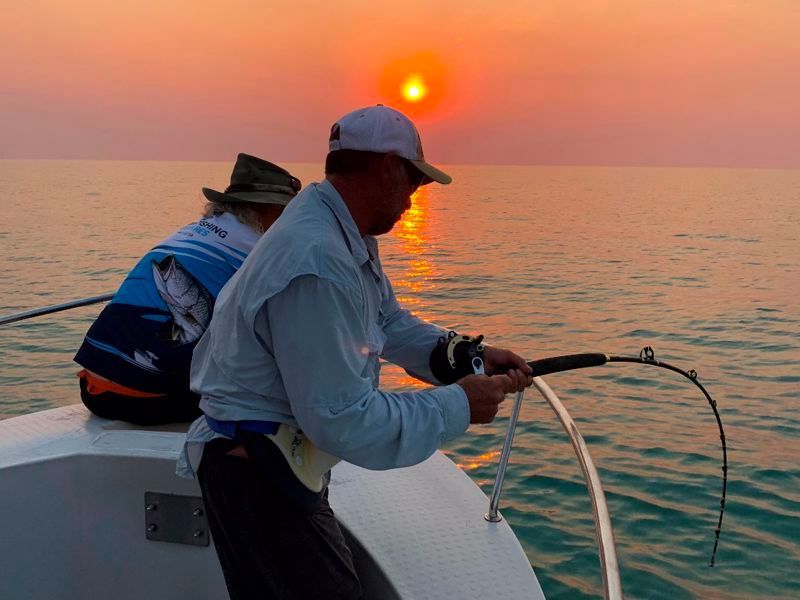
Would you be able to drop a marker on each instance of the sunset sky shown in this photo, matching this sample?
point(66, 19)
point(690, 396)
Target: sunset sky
point(628, 82)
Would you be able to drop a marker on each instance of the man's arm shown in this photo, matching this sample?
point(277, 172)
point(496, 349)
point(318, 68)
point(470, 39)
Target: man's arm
point(409, 339)
point(324, 356)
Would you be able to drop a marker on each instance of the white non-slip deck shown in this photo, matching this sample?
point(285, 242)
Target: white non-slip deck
point(73, 520)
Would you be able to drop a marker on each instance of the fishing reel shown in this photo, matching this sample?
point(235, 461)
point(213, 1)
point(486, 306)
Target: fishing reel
point(457, 356)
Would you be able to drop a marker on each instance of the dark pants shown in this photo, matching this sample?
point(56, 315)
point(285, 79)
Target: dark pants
point(171, 408)
point(267, 548)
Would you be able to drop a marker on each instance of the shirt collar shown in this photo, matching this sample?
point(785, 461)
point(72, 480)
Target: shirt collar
point(358, 245)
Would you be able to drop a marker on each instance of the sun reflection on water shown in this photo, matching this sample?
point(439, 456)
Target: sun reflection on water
point(478, 461)
point(415, 274)
point(412, 232)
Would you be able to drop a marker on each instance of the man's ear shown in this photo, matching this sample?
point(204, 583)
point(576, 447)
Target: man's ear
point(389, 163)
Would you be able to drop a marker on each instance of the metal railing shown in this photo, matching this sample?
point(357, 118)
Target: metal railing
point(46, 310)
point(612, 586)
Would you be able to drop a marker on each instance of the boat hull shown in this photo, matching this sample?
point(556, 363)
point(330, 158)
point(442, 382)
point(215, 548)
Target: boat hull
point(75, 526)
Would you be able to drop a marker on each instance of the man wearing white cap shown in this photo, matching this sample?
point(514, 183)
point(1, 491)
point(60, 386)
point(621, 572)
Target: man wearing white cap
point(289, 370)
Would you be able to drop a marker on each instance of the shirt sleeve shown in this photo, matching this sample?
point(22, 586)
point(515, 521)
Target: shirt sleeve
point(410, 340)
point(323, 353)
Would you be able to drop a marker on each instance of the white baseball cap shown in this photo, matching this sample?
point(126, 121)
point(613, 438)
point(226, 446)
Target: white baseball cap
point(382, 129)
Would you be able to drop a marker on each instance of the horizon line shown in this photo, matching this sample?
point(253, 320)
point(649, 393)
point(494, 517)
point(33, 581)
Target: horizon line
point(446, 164)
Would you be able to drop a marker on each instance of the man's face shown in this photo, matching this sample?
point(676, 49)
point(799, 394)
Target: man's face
point(404, 180)
point(268, 214)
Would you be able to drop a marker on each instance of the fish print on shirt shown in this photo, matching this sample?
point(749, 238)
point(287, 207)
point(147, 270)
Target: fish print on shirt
point(188, 301)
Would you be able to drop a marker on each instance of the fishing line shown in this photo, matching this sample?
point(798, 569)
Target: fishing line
point(570, 362)
point(458, 355)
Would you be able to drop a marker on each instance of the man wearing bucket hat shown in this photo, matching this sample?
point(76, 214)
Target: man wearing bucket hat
point(297, 388)
point(136, 355)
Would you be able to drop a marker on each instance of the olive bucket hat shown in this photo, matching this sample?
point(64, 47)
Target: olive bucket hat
point(256, 180)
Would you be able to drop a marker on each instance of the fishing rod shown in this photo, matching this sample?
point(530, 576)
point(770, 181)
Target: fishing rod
point(557, 364)
point(46, 310)
point(459, 355)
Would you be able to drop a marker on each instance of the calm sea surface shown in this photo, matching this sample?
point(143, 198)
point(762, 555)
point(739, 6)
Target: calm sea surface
point(703, 265)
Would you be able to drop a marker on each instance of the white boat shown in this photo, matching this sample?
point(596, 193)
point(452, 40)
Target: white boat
point(92, 508)
point(76, 489)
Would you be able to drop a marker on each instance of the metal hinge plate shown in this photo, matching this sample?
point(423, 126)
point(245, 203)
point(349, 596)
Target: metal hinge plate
point(175, 519)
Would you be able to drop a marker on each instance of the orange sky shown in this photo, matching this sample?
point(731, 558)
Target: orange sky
point(639, 83)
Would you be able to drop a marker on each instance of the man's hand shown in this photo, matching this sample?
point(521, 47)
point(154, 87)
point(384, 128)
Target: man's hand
point(499, 360)
point(486, 393)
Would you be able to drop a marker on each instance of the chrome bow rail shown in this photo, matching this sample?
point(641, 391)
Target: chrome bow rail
point(612, 586)
point(38, 312)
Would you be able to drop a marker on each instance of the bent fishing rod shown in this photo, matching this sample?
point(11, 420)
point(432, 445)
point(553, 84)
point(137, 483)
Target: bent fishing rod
point(460, 355)
point(557, 364)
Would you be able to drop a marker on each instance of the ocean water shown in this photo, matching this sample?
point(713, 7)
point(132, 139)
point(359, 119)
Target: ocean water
point(701, 264)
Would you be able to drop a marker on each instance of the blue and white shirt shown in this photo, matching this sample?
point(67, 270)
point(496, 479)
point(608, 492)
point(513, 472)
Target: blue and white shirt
point(144, 338)
point(296, 338)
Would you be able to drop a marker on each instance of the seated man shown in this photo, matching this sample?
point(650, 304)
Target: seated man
point(136, 355)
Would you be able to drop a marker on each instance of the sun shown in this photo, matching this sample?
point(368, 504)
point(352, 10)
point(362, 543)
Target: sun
point(414, 89)
point(416, 83)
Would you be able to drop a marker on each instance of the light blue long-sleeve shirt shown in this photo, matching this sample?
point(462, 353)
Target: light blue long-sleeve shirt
point(296, 336)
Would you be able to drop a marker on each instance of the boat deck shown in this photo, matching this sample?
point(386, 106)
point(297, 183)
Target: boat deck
point(72, 488)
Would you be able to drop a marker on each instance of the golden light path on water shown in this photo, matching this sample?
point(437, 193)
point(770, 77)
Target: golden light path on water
point(479, 461)
point(415, 278)
point(411, 284)
point(412, 231)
